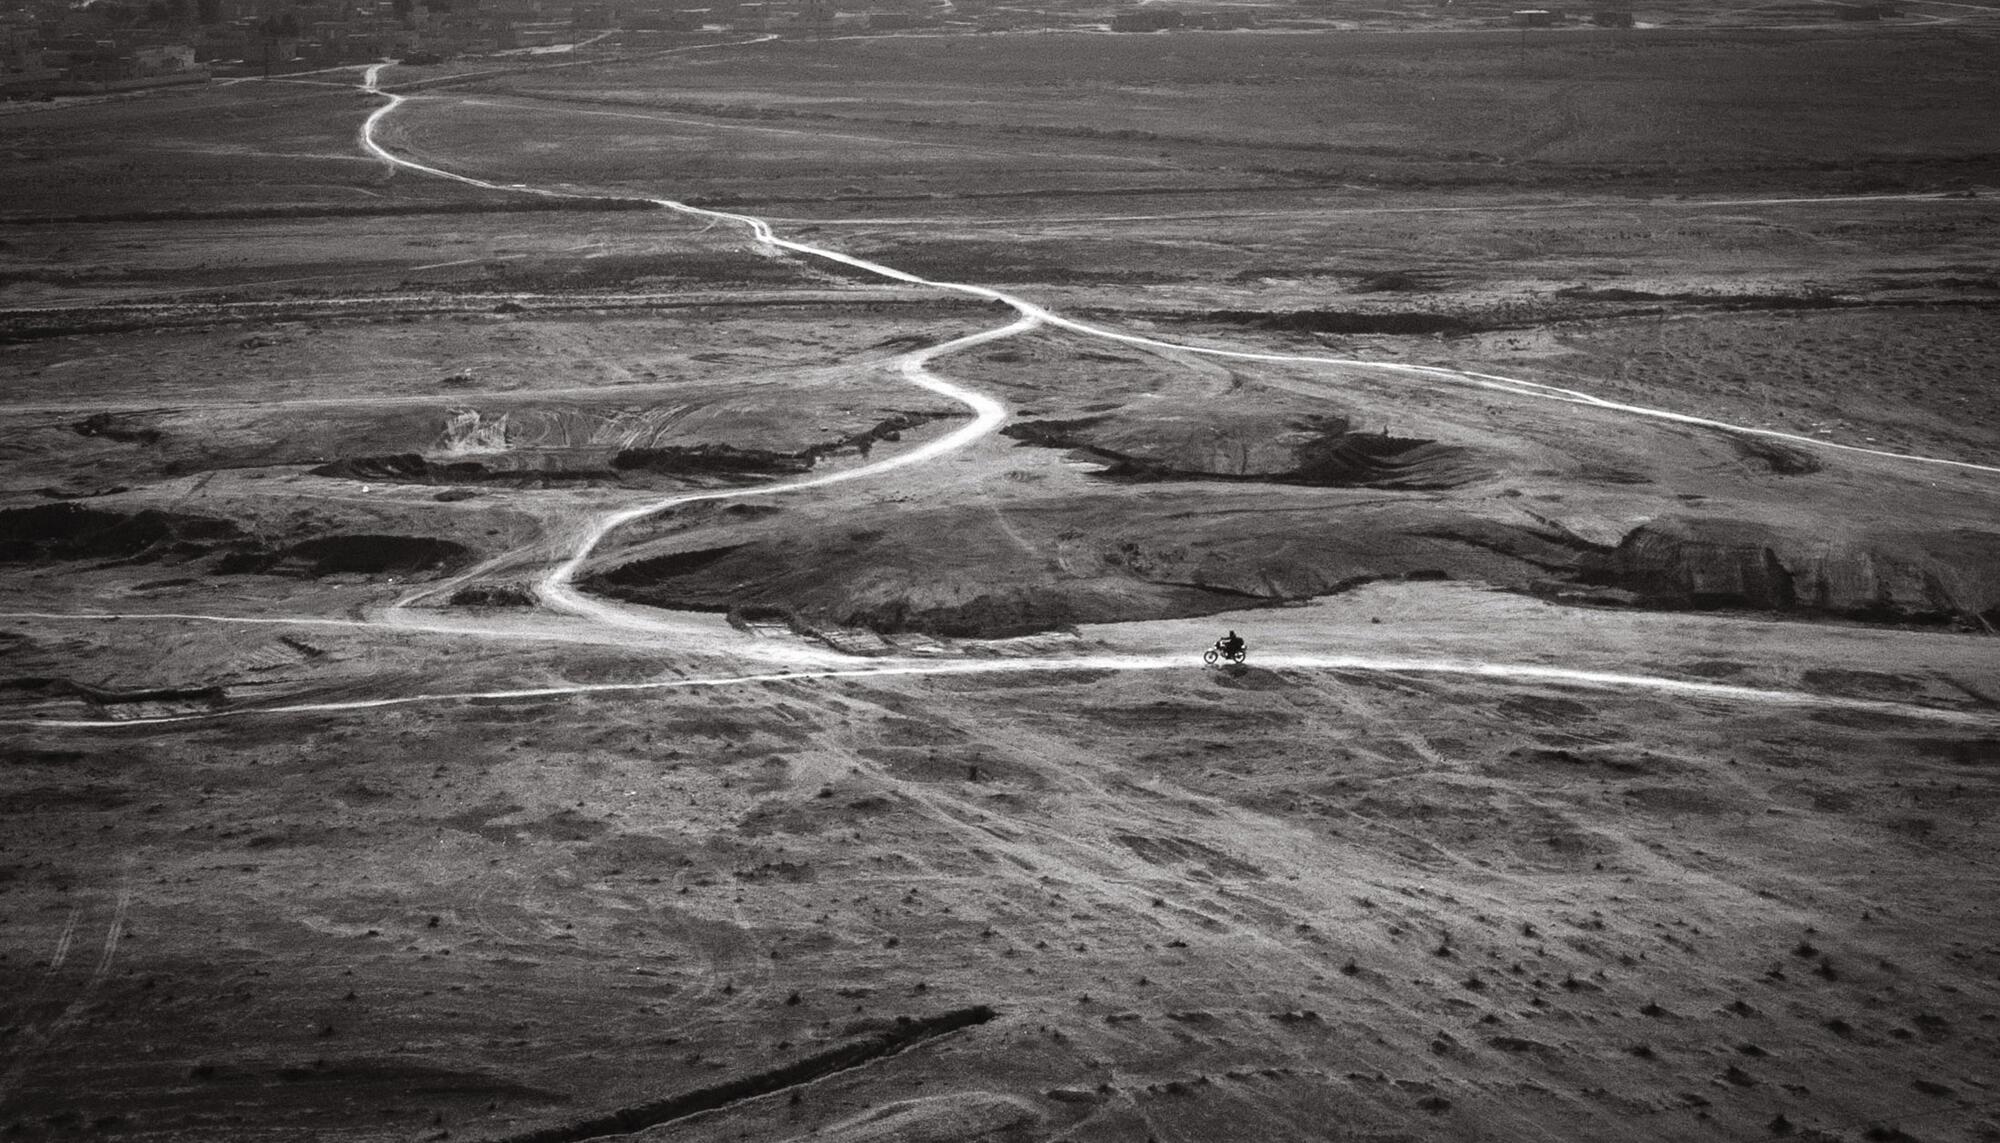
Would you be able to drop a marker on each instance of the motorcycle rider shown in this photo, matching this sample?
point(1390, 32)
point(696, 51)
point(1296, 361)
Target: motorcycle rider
point(1231, 645)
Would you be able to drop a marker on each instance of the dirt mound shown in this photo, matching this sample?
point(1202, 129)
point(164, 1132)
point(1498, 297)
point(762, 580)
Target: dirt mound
point(73, 532)
point(1195, 443)
point(494, 595)
point(118, 428)
point(1779, 459)
point(1882, 576)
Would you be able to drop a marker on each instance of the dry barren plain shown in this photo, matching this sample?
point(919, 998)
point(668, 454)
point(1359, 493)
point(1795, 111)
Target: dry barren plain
point(660, 593)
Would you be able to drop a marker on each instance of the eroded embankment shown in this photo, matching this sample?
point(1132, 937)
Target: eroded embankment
point(1218, 547)
point(905, 1034)
point(588, 461)
point(477, 439)
point(1907, 575)
point(103, 538)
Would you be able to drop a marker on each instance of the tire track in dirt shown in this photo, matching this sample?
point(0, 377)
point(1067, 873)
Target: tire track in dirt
point(62, 942)
point(35, 1041)
point(26, 1001)
point(1237, 919)
point(891, 668)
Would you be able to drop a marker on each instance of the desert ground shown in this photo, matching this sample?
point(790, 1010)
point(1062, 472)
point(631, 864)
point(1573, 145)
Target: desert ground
point(659, 591)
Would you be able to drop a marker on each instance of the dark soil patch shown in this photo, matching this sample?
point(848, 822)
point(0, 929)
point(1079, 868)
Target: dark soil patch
point(350, 555)
point(712, 460)
point(494, 595)
point(1779, 459)
point(1315, 451)
point(413, 468)
point(664, 567)
point(51, 532)
point(1970, 751)
point(112, 427)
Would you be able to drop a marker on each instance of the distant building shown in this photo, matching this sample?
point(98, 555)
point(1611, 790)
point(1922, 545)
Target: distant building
point(1537, 18)
point(163, 59)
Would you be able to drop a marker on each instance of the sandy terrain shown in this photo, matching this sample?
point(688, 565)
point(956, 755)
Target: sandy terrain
point(489, 665)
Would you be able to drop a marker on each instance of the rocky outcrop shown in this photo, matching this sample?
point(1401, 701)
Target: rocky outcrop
point(1881, 576)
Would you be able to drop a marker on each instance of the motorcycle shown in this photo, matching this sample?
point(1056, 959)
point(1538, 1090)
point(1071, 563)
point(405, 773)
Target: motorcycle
point(1221, 654)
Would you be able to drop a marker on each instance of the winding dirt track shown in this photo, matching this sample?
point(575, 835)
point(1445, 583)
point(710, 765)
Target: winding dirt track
point(605, 621)
point(889, 668)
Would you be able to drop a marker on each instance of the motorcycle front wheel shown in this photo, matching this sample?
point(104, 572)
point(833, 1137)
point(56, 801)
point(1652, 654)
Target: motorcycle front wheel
point(1211, 657)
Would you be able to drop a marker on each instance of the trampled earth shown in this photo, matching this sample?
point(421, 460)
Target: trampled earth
point(664, 594)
